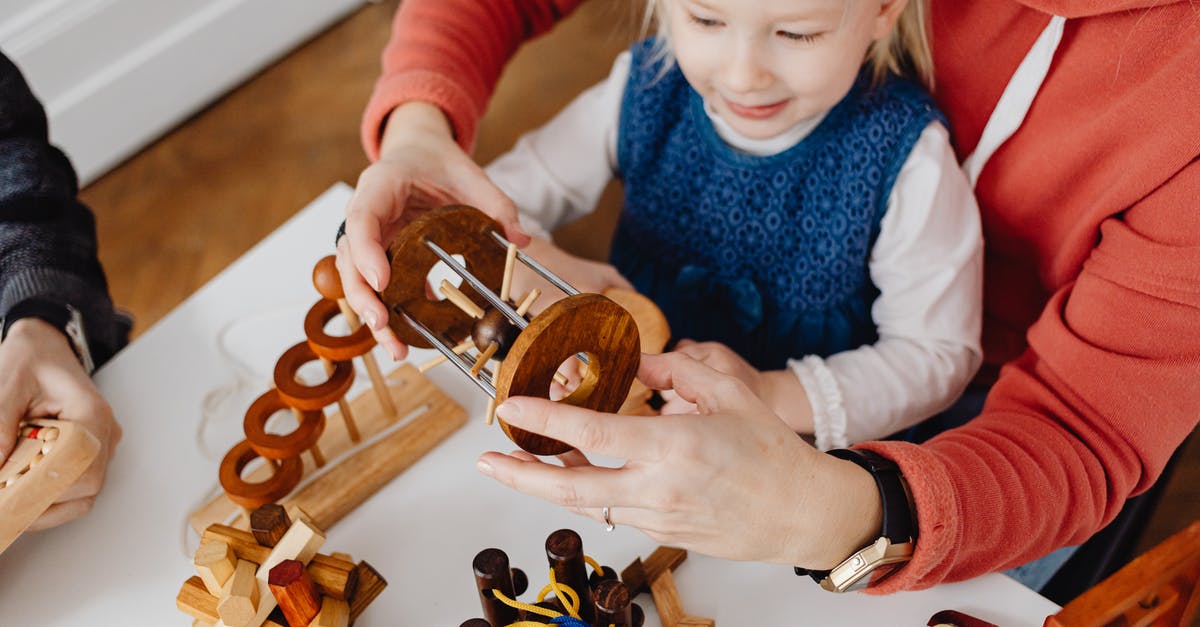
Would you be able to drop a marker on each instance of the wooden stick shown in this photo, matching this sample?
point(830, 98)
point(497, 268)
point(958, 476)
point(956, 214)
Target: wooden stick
point(378, 383)
point(509, 263)
point(240, 597)
point(334, 576)
point(560, 378)
point(666, 599)
point(462, 347)
point(527, 302)
point(334, 613)
point(215, 563)
point(295, 592)
point(490, 416)
point(454, 295)
point(344, 407)
point(483, 358)
point(370, 584)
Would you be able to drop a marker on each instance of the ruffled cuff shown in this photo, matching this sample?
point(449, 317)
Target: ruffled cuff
point(828, 411)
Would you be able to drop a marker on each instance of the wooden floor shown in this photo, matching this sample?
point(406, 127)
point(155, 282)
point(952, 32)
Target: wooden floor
point(174, 215)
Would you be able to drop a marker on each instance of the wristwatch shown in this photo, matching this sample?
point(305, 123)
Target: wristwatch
point(64, 317)
point(895, 545)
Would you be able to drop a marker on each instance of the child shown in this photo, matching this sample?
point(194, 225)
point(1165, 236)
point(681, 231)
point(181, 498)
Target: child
point(788, 196)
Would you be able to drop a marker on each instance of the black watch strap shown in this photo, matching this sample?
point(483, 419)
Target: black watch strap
point(63, 317)
point(899, 524)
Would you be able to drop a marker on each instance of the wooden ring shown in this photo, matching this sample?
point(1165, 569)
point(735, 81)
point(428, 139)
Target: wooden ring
point(272, 446)
point(334, 347)
point(460, 230)
point(584, 323)
point(283, 479)
point(301, 396)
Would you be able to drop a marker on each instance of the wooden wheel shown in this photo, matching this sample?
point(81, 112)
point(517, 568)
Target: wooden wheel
point(460, 230)
point(584, 323)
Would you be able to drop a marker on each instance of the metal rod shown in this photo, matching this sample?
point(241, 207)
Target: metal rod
point(447, 352)
point(478, 285)
point(543, 271)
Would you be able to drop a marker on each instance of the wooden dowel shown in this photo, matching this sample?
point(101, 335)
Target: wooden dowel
point(463, 347)
point(509, 263)
point(527, 302)
point(377, 380)
point(490, 416)
point(454, 295)
point(560, 379)
point(318, 458)
point(344, 407)
point(483, 358)
point(294, 591)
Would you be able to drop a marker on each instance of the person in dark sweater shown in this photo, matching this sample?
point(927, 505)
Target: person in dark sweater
point(59, 322)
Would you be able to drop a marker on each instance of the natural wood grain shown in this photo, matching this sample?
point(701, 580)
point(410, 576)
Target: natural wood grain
point(370, 585)
point(334, 576)
point(268, 524)
point(294, 592)
point(215, 563)
point(334, 613)
point(240, 597)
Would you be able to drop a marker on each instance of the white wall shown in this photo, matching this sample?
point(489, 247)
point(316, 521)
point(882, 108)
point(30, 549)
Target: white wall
point(115, 74)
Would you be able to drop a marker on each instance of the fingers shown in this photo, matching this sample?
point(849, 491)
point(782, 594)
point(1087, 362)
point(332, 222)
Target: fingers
point(710, 390)
point(12, 409)
point(577, 487)
point(626, 437)
point(373, 205)
point(363, 300)
point(64, 512)
point(475, 188)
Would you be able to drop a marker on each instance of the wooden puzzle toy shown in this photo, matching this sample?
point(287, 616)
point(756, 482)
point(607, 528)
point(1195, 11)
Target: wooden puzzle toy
point(48, 457)
point(329, 463)
point(602, 335)
point(274, 576)
point(598, 600)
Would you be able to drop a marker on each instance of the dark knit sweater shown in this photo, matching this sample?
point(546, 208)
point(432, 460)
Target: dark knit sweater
point(47, 236)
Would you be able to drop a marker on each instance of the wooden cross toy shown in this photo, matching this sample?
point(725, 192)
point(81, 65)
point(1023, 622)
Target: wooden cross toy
point(598, 600)
point(602, 335)
point(47, 459)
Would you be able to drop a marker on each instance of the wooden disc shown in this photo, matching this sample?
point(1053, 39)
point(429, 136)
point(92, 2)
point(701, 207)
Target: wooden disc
point(273, 446)
point(584, 323)
point(285, 477)
point(459, 230)
point(301, 396)
point(334, 347)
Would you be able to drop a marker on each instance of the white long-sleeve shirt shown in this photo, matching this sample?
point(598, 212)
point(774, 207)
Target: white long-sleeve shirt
point(927, 262)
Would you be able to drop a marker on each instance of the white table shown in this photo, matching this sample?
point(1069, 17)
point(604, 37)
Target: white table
point(125, 562)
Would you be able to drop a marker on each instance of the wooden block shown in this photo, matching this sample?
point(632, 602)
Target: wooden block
point(240, 597)
point(695, 621)
point(300, 543)
point(334, 576)
point(294, 591)
point(215, 563)
point(370, 584)
point(196, 602)
point(196, 622)
point(268, 524)
point(37, 472)
point(637, 575)
point(334, 613)
point(666, 599)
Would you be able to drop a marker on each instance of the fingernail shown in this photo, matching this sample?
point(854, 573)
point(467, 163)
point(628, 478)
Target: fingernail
point(372, 321)
point(375, 282)
point(484, 467)
point(396, 356)
point(507, 411)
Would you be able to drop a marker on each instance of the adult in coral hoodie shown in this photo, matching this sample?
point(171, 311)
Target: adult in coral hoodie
point(1092, 279)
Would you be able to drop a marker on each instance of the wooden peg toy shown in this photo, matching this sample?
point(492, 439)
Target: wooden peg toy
point(268, 523)
point(239, 597)
point(654, 576)
point(294, 591)
point(215, 563)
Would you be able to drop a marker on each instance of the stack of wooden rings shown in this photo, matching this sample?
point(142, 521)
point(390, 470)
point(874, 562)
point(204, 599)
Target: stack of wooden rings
point(306, 402)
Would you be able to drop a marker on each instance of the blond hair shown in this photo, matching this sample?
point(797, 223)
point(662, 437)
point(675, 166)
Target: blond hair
point(905, 51)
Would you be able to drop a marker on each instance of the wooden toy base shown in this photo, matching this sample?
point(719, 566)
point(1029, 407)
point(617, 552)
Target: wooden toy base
point(327, 494)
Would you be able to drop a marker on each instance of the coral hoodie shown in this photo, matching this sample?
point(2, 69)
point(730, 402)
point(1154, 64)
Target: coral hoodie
point(1091, 215)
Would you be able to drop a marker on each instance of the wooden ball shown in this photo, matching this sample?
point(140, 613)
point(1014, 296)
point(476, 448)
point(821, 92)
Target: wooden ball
point(327, 280)
point(494, 326)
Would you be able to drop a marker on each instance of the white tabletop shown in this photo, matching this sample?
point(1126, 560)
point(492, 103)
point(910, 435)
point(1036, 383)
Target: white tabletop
point(125, 562)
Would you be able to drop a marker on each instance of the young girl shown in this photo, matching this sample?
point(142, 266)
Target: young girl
point(789, 197)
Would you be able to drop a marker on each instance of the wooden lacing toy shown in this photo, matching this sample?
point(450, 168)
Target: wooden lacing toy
point(48, 457)
point(591, 328)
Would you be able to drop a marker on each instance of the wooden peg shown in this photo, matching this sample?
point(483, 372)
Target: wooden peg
point(490, 416)
point(334, 613)
point(564, 551)
point(510, 259)
point(215, 563)
point(492, 572)
point(527, 302)
point(240, 597)
point(483, 358)
point(460, 300)
point(696, 621)
point(370, 584)
point(294, 591)
point(462, 347)
point(268, 524)
point(476, 622)
point(613, 605)
point(344, 407)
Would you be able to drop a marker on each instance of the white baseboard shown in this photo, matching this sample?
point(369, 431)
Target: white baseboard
point(114, 75)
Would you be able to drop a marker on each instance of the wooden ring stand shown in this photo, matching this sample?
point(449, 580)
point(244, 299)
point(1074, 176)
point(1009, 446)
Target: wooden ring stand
point(307, 397)
point(272, 446)
point(334, 347)
point(286, 475)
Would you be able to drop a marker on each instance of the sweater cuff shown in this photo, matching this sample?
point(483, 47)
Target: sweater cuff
point(937, 517)
point(107, 331)
point(425, 86)
point(828, 411)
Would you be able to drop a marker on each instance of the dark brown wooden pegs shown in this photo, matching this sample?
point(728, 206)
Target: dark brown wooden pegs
point(268, 524)
point(295, 592)
point(492, 572)
point(614, 606)
point(564, 551)
point(476, 622)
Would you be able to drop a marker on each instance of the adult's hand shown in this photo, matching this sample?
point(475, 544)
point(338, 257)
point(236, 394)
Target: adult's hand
point(42, 377)
point(731, 482)
point(420, 167)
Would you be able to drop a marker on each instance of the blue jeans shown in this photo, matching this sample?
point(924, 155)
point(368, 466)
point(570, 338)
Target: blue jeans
point(1035, 574)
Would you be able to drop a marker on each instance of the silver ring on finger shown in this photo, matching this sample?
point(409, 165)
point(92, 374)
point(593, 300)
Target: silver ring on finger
point(606, 512)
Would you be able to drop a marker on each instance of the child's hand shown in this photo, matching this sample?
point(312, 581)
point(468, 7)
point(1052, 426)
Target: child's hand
point(779, 389)
point(584, 274)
